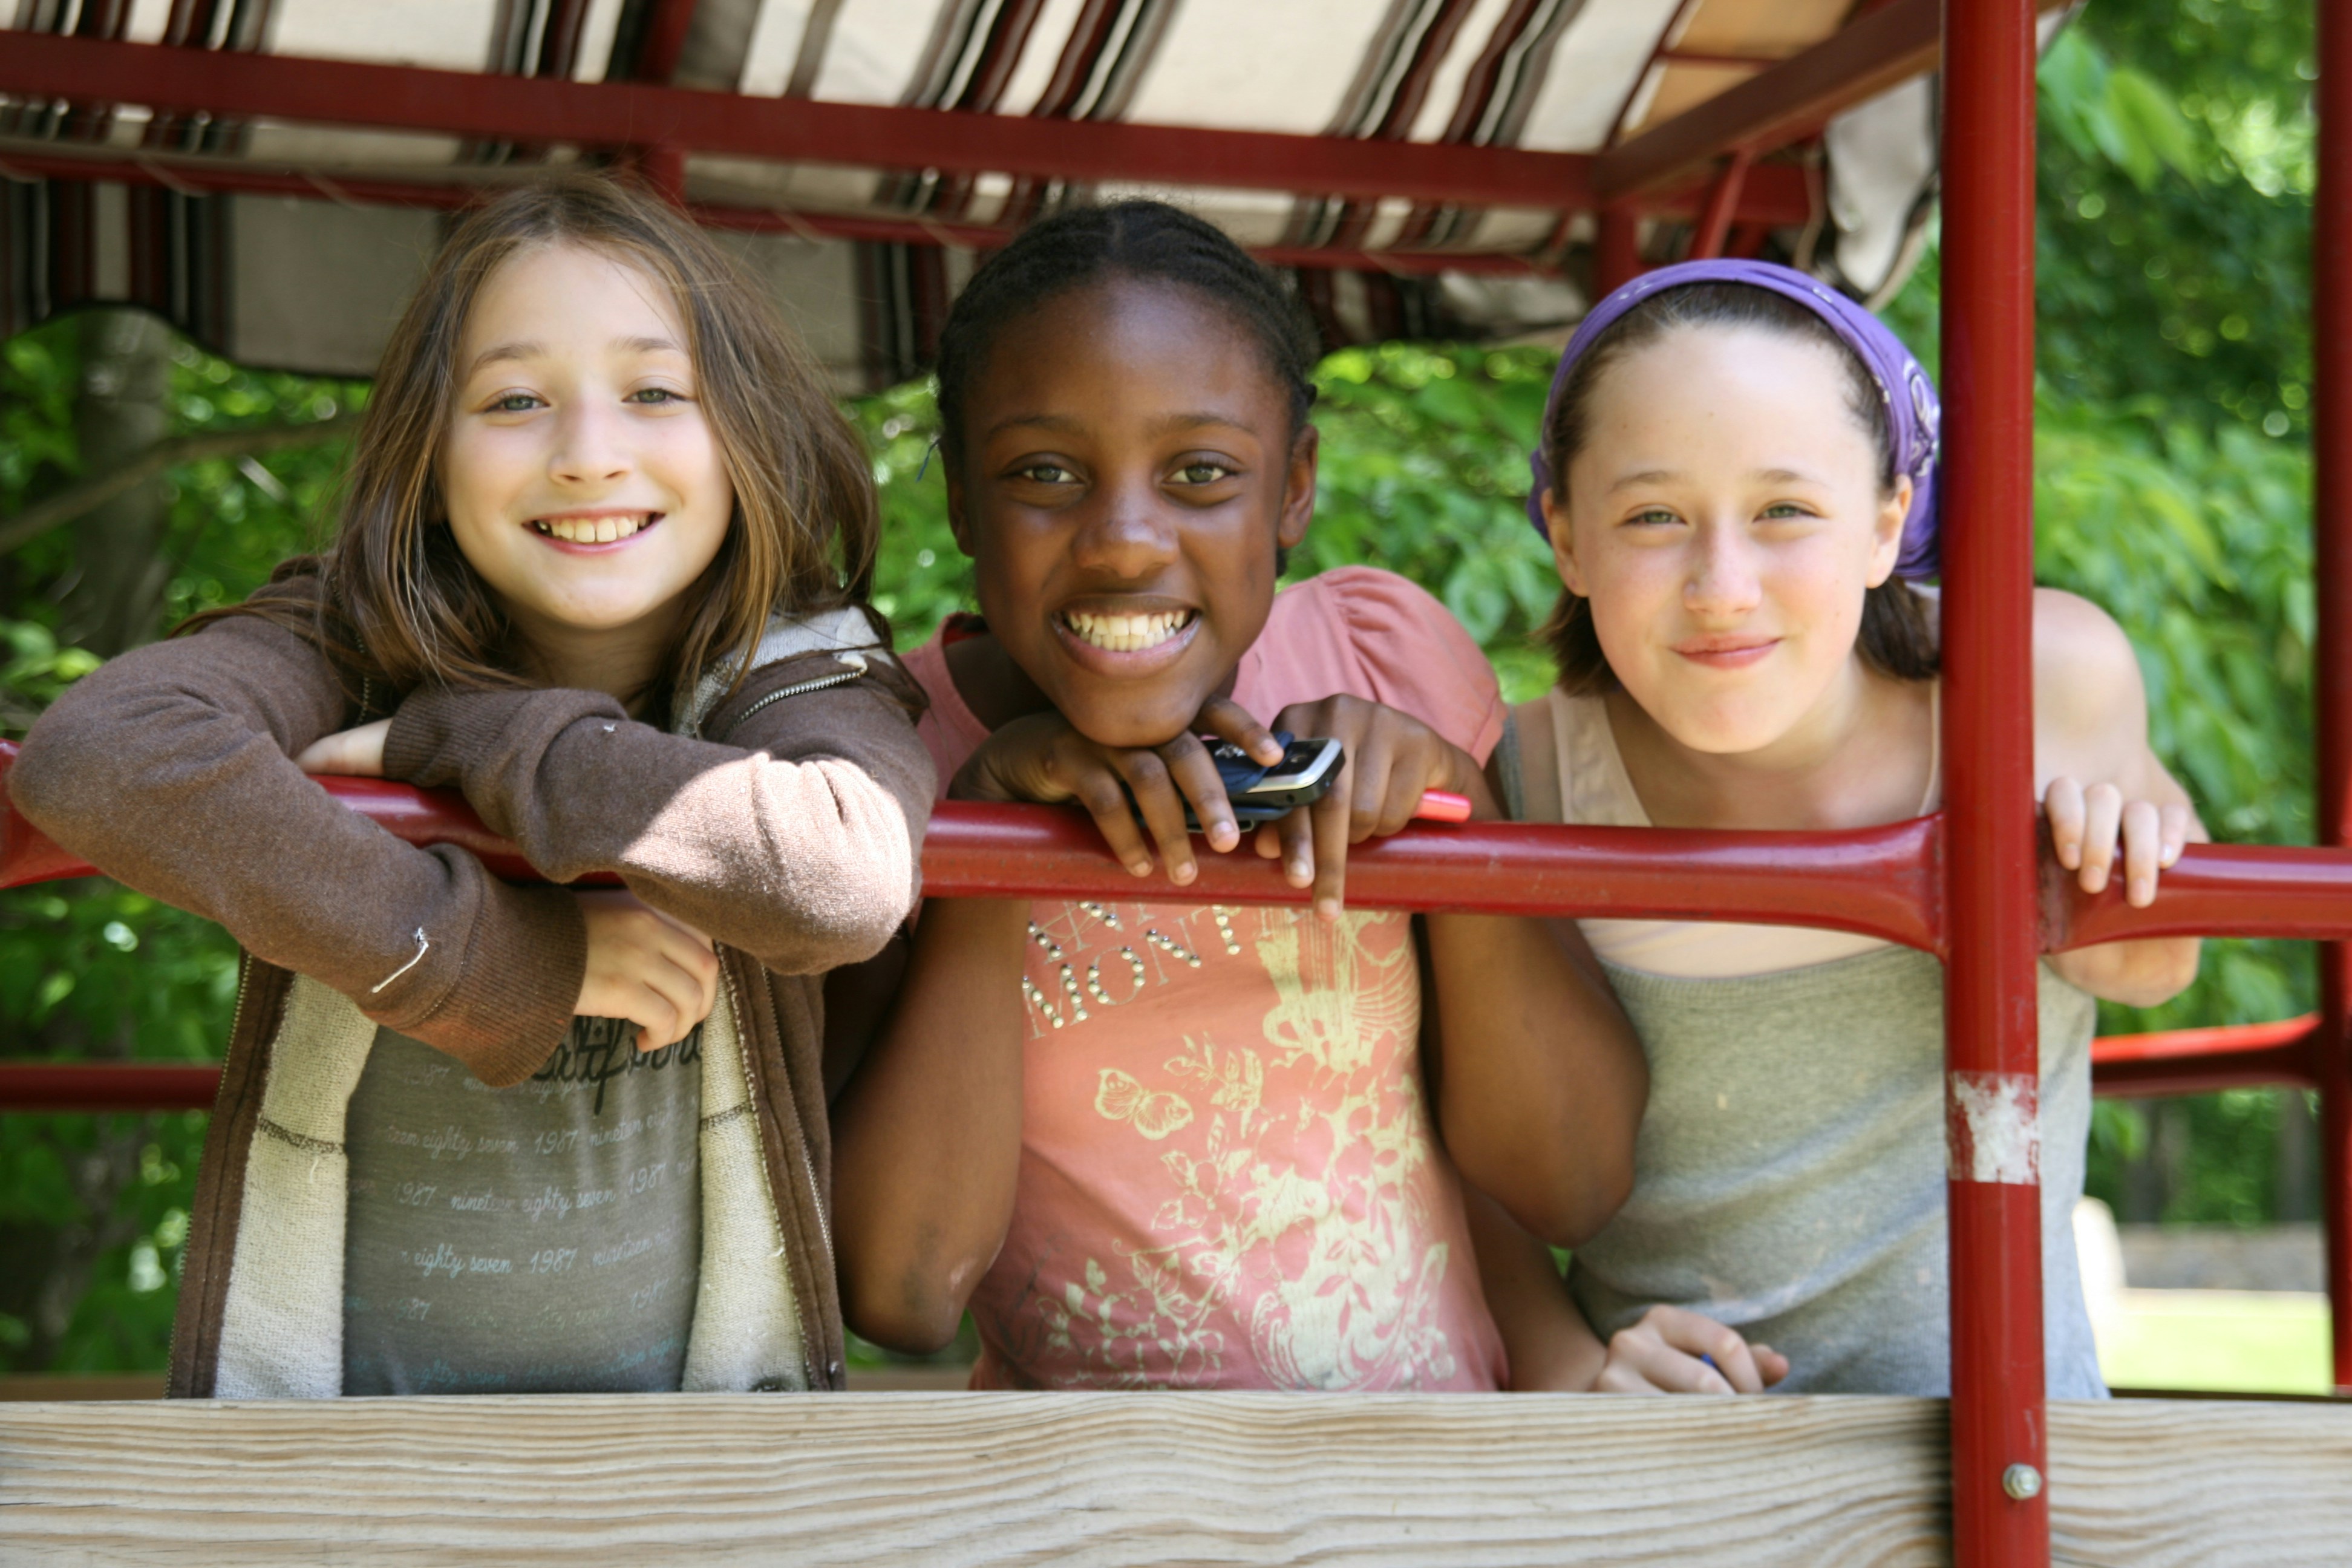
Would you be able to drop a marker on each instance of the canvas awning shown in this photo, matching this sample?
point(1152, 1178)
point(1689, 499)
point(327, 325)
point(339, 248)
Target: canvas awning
point(270, 173)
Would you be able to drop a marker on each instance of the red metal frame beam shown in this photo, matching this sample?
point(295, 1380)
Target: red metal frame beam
point(633, 114)
point(2184, 1062)
point(2215, 890)
point(104, 1087)
point(2201, 1061)
point(1786, 103)
point(1617, 250)
point(2000, 1512)
point(664, 40)
point(2331, 441)
point(1722, 201)
point(216, 175)
point(543, 110)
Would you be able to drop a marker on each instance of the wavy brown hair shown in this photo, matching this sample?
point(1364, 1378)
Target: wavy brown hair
point(402, 608)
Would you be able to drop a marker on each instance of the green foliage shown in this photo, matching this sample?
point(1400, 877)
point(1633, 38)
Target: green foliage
point(920, 576)
point(2175, 209)
point(90, 970)
point(2113, 113)
point(1424, 472)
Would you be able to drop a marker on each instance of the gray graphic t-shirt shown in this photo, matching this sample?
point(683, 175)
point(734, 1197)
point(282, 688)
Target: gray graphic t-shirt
point(537, 1239)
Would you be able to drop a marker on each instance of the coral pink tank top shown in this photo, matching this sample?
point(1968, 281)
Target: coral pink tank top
point(1229, 1176)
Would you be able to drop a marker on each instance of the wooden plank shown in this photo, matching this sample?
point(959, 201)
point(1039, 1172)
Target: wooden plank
point(1088, 1479)
point(2161, 1483)
point(1105, 1479)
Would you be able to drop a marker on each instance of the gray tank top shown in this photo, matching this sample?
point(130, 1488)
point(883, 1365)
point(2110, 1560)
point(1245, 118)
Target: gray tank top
point(1790, 1174)
point(1789, 1179)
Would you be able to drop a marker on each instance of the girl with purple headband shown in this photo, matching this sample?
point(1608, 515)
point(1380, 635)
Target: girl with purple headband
point(1737, 475)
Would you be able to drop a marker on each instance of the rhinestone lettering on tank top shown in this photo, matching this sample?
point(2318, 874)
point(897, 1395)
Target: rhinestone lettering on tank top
point(1229, 1176)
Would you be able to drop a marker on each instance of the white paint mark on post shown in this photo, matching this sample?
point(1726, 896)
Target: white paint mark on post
point(1994, 1128)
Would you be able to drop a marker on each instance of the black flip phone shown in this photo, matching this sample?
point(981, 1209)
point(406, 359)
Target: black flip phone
point(1260, 793)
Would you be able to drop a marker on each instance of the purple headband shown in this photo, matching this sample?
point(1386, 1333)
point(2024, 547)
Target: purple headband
point(1912, 408)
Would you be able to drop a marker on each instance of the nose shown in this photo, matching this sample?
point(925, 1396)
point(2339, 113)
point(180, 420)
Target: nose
point(1126, 532)
point(1724, 582)
point(591, 445)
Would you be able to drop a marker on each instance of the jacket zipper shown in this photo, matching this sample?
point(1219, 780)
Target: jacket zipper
point(236, 1010)
point(856, 671)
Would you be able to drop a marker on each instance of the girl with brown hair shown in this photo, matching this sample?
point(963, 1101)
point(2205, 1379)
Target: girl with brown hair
point(601, 567)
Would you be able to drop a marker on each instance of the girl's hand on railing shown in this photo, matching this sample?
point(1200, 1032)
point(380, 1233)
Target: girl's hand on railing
point(1392, 761)
point(2088, 826)
point(658, 972)
point(355, 753)
point(1042, 758)
point(1676, 1351)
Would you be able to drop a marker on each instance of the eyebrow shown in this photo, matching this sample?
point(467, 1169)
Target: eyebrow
point(1067, 425)
point(1667, 475)
point(527, 349)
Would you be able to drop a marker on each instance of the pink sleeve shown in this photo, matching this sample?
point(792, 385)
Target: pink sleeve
point(1411, 654)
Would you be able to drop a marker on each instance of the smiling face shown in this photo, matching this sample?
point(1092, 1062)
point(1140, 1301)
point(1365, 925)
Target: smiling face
point(1126, 471)
point(583, 483)
point(1723, 521)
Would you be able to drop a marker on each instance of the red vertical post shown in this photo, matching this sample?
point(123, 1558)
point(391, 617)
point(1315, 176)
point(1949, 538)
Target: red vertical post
point(1992, 1082)
point(1617, 250)
point(1714, 225)
point(2331, 442)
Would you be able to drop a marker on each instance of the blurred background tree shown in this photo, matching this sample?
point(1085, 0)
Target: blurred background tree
point(2174, 477)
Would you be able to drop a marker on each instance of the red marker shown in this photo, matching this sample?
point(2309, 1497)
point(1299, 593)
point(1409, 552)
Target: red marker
point(1442, 805)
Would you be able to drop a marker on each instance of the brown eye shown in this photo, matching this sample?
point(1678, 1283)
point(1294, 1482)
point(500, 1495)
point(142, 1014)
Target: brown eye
point(1203, 473)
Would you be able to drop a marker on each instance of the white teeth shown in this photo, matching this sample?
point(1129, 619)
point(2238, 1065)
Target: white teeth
point(1128, 634)
point(593, 530)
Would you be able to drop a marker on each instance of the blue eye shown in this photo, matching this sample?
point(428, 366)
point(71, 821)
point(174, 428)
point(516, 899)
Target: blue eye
point(515, 403)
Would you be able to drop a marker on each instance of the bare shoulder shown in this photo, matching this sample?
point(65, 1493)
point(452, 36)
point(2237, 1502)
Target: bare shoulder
point(2088, 695)
point(2079, 651)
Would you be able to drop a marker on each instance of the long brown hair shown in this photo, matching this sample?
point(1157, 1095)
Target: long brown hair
point(1897, 635)
point(402, 607)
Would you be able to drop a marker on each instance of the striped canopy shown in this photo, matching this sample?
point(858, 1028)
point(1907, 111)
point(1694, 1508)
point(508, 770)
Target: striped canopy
point(269, 173)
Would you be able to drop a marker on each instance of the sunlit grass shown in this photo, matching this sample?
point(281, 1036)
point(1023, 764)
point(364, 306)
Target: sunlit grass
point(2230, 1340)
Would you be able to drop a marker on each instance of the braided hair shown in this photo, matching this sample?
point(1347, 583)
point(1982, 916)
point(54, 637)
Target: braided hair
point(1139, 239)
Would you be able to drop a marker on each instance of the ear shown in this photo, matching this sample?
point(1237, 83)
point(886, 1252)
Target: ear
point(1887, 531)
point(959, 523)
point(1563, 544)
point(1298, 490)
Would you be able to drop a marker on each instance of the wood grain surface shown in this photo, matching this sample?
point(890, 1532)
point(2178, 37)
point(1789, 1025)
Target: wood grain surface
point(954, 1479)
point(2189, 1483)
